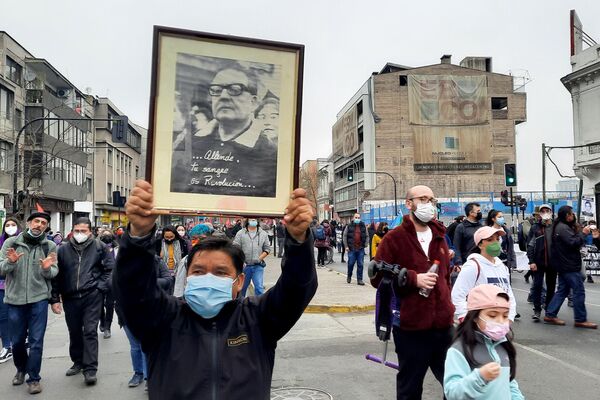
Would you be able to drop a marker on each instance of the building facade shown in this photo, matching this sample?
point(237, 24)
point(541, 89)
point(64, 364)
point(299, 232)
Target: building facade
point(584, 85)
point(450, 127)
point(116, 165)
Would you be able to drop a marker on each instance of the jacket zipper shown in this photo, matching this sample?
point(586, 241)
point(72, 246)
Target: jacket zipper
point(78, 270)
point(215, 375)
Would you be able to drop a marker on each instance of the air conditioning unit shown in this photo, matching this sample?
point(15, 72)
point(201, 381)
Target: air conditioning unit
point(63, 93)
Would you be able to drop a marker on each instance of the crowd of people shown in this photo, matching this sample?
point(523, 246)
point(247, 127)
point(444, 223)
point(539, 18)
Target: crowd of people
point(176, 290)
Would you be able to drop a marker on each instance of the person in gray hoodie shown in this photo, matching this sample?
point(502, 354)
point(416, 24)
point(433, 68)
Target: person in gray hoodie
point(29, 263)
point(255, 245)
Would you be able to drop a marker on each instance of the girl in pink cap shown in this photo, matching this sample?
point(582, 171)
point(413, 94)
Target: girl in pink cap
point(481, 363)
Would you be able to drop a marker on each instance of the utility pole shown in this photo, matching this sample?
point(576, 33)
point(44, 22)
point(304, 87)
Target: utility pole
point(395, 187)
point(543, 172)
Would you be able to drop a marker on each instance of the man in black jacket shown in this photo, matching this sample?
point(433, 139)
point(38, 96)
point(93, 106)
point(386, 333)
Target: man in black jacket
point(538, 242)
point(463, 235)
point(567, 239)
point(84, 267)
point(214, 344)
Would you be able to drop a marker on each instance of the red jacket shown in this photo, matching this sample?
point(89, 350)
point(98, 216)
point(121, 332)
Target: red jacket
point(400, 246)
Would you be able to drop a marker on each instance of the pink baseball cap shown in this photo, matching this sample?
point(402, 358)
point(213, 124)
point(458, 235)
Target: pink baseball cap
point(487, 296)
point(485, 232)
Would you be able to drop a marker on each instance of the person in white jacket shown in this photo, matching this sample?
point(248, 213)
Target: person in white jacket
point(483, 267)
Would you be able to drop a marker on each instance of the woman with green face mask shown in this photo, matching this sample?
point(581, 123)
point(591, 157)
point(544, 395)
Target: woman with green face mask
point(483, 266)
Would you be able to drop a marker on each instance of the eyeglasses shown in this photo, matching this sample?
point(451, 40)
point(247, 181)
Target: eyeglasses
point(234, 89)
point(425, 200)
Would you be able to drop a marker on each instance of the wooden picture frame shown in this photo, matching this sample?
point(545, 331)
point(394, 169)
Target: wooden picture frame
point(224, 129)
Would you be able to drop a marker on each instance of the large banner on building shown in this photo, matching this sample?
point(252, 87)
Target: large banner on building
point(345, 134)
point(445, 149)
point(449, 119)
point(447, 100)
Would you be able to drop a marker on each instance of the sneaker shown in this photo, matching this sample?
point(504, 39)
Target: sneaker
point(361, 283)
point(536, 316)
point(107, 334)
point(348, 279)
point(34, 388)
point(517, 316)
point(74, 370)
point(5, 355)
point(18, 379)
point(145, 385)
point(135, 380)
point(89, 377)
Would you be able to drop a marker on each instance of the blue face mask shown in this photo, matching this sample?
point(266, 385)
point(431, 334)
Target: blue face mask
point(356, 220)
point(253, 223)
point(500, 220)
point(207, 294)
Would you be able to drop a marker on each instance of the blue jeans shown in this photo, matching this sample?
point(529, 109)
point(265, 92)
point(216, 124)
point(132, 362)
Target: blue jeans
point(4, 325)
point(255, 274)
point(569, 281)
point(138, 358)
point(356, 256)
point(28, 321)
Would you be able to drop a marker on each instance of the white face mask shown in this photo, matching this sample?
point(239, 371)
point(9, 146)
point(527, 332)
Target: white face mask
point(546, 216)
point(10, 230)
point(181, 233)
point(80, 237)
point(425, 212)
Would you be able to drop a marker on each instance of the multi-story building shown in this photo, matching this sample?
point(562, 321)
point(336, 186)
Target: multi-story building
point(450, 127)
point(50, 122)
point(116, 165)
point(584, 85)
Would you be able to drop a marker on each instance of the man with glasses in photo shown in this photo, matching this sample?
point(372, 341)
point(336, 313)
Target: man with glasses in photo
point(230, 155)
point(423, 333)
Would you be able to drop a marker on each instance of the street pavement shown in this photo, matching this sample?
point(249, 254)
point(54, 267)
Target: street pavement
point(325, 351)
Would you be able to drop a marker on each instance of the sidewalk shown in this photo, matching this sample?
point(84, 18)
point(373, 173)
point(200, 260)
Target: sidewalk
point(334, 295)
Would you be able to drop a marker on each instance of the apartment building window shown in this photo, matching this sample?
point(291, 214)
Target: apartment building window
point(451, 142)
point(5, 149)
point(6, 103)
point(14, 71)
point(109, 157)
point(88, 184)
point(109, 192)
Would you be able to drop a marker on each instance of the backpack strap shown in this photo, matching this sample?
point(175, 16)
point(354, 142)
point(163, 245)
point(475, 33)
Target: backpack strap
point(478, 270)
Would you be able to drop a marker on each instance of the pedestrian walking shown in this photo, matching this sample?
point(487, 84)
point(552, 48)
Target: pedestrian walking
point(84, 268)
point(280, 232)
point(10, 228)
point(382, 229)
point(539, 240)
point(423, 332)
point(481, 364)
point(483, 266)
point(28, 261)
point(172, 248)
point(567, 239)
point(255, 245)
point(322, 241)
point(215, 344)
point(356, 239)
point(198, 233)
point(108, 300)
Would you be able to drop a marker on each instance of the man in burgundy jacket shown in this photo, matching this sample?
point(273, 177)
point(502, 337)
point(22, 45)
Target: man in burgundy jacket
point(424, 330)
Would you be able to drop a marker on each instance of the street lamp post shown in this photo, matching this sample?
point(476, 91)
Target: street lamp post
point(395, 187)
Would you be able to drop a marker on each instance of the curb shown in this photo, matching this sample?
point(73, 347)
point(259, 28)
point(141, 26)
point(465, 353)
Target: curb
point(326, 309)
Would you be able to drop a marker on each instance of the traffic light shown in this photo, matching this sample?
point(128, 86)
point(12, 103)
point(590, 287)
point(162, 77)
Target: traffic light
point(510, 174)
point(350, 174)
point(522, 204)
point(119, 129)
point(504, 197)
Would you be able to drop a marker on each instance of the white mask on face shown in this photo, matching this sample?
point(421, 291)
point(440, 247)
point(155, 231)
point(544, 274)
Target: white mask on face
point(425, 212)
point(546, 216)
point(80, 237)
point(10, 230)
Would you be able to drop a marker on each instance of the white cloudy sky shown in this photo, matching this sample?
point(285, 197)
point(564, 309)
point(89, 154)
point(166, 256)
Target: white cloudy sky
point(106, 45)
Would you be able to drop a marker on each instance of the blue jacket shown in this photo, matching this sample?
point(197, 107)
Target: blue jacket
point(461, 382)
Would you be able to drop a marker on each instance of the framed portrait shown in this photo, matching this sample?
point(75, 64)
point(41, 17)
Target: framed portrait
point(224, 131)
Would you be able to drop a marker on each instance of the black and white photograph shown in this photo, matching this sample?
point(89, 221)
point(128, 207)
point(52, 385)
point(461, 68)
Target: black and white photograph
point(225, 126)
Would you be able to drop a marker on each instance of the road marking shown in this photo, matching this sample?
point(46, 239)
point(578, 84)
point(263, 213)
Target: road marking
point(587, 304)
point(561, 362)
